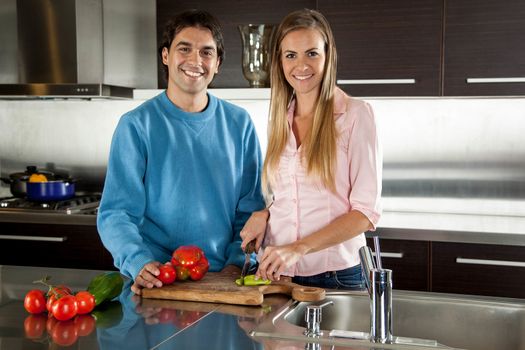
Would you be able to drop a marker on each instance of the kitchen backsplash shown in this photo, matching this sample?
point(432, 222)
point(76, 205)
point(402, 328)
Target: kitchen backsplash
point(462, 148)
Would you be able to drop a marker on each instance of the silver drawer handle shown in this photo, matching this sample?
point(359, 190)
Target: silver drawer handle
point(375, 81)
point(496, 80)
point(389, 255)
point(490, 262)
point(33, 238)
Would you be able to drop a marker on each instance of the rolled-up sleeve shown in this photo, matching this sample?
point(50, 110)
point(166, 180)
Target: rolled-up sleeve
point(366, 164)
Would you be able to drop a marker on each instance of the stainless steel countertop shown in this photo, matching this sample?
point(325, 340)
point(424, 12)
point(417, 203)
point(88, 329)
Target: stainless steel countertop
point(47, 218)
point(449, 236)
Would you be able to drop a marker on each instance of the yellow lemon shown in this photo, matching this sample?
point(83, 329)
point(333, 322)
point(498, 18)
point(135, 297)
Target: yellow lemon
point(37, 178)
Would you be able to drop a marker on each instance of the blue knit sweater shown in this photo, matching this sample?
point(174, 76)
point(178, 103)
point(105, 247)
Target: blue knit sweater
point(176, 178)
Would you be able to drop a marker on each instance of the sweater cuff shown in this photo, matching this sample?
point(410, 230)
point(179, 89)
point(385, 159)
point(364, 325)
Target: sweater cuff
point(134, 265)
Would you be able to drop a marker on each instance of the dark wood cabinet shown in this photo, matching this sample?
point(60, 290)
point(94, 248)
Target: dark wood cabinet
point(449, 267)
point(69, 246)
point(481, 269)
point(409, 262)
point(484, 39)
point(394, 40)
point(437, 44)
point(375, 39)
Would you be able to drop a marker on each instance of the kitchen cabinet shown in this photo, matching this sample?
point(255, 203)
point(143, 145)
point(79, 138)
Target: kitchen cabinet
point(50, 245)
point(484, 39)
point(481, 269)
point(375, 40)
point(385, 48)
point(451, 267)
point(398, 41)
point(409, 262)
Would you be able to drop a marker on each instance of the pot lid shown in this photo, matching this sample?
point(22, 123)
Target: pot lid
point(31, 169)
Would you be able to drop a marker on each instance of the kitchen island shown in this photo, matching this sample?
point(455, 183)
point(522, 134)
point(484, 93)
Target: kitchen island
point(131, 323)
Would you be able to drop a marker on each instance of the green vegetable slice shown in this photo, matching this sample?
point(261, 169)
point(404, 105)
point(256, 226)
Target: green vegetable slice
point(249, 280)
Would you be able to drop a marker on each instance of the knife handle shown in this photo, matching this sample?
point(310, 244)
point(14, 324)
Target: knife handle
point(250, 247)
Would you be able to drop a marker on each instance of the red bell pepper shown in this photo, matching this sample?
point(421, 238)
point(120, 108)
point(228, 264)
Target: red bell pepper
point(189, 261)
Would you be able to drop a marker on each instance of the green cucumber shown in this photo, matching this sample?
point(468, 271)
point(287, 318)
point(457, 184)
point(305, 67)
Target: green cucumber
point(106, 286)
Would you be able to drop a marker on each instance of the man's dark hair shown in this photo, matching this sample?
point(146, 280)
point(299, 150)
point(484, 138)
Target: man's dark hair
point(192, 18)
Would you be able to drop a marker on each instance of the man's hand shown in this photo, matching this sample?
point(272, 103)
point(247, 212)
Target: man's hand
point(147, 277)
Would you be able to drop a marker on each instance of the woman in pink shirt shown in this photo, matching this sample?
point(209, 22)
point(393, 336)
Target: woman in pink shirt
point(323, 164)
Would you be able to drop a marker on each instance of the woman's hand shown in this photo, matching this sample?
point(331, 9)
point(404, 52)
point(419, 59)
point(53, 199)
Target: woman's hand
point(255, 228)
point(147, 277)
point(276, 259)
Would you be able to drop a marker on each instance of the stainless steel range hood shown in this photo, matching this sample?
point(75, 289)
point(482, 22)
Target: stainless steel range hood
point(77, 48)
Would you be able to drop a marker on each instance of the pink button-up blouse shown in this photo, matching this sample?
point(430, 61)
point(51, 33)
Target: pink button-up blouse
point(302, 206)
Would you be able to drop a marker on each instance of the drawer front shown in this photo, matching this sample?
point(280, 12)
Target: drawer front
point(408, 261)
point(69, 246)
point(480, 269)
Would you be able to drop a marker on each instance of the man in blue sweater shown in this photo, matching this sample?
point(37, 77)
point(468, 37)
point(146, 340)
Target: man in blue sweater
point(184, 167)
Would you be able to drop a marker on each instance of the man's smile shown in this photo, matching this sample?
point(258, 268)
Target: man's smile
point(192, 73)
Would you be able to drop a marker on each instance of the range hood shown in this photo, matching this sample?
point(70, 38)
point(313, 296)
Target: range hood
point(77, 48)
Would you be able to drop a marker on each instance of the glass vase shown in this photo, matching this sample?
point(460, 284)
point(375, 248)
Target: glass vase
point(256, 41)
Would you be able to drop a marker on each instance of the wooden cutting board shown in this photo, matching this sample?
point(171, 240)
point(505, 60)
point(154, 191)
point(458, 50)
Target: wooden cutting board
point(221, 288)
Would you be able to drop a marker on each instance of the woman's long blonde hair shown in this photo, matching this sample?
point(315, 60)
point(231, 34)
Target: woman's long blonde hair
point(320, 143)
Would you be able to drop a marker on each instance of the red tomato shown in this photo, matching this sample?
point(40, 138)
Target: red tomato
point(167, 274)
point(198, 271)
point(64, 333)
point(85, 324)
point(85, 302)
point(50, 300)
point(187, 255)
point(60, 290)
point(35, 301)
point(34, 326)
point(65, 308)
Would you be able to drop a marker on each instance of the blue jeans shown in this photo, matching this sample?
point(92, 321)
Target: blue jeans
point(349, 279)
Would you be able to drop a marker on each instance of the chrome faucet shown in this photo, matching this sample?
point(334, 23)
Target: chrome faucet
point(313, 318)
point(379, 284)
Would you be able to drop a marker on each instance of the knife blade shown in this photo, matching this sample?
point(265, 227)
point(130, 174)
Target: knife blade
point(249, 249)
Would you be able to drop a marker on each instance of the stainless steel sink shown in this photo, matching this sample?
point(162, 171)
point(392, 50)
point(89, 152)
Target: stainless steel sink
point(456, 321)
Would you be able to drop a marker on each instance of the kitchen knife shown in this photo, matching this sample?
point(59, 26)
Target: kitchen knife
point(248, 250)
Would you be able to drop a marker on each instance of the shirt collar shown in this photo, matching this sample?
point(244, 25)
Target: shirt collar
point(340, 101)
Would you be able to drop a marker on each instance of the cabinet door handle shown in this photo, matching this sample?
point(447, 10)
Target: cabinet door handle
point(496, 80)
point(390, 255)
point(33, 238)
point(490, 262)
point(375, 81)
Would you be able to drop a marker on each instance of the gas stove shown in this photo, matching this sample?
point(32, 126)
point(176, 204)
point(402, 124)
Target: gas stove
point(85, 204)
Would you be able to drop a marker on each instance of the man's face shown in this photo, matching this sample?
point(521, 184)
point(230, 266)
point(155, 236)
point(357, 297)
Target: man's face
point(192, 61)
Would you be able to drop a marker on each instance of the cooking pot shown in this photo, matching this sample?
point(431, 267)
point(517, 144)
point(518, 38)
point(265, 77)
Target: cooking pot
point(53, 190)
point(18, 181)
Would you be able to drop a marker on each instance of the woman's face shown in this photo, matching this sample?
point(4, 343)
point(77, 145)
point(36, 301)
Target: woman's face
point(302, 58)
